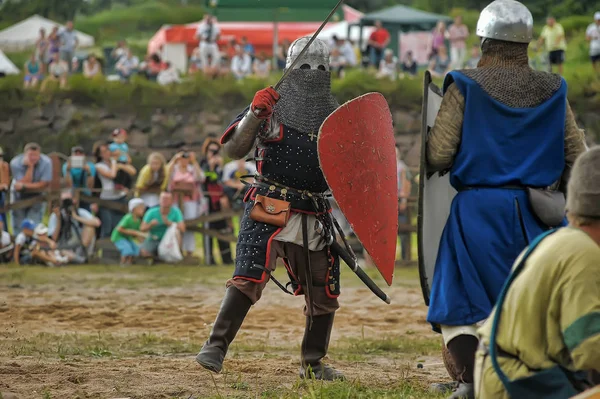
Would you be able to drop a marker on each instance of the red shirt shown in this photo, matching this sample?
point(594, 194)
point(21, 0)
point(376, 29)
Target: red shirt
point(380, 36)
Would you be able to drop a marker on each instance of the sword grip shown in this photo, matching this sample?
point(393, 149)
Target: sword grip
point(342, 253)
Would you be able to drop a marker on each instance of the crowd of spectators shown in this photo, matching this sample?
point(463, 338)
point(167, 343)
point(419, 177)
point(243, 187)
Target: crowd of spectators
point(54, 56)
point(132, 210)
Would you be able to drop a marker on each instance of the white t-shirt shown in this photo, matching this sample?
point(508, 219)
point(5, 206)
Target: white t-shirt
point(22, 240)
point(593, 31)
point(206, 33)
point(348, 53)
point(52, 221)
point(241, 65)
point(5, 239)
point(230, 170)
point(108, 185)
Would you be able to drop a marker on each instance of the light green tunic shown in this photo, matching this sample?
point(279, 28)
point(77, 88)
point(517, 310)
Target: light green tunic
point(551, 314)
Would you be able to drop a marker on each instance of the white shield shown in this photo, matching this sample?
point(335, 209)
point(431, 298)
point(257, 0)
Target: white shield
point(435, 194)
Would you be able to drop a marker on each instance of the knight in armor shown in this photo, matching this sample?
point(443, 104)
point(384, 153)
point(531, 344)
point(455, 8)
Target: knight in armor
point(505, 133)
point(283, 125)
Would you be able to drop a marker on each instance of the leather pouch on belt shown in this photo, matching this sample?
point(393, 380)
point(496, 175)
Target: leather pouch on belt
point(548, 206)
point(270, 211)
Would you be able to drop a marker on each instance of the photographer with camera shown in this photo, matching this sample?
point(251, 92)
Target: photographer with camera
point(212, 165)
point(73, 227)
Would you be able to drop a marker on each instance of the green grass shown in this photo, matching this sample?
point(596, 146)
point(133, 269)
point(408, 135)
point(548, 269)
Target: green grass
point(139, 20)
point(160, 276)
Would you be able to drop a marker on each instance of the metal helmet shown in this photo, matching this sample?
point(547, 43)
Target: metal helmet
point(506, 20)
point(317, 56)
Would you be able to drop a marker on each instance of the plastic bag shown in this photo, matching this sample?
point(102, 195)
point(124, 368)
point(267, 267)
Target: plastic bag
point(168, 250)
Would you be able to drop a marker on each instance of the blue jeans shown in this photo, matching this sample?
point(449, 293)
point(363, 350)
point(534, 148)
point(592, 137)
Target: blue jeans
point(3, 215)
point(375, 56)
point(35, 213)
point(110, 219)
point(127, 248)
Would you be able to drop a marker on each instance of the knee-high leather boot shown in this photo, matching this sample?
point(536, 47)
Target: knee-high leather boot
point(314, 349)
point(234, 309)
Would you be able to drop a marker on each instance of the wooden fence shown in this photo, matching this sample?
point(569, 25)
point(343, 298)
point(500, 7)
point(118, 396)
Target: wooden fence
point(197, 225)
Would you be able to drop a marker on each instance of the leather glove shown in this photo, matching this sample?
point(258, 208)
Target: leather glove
point(264, 101)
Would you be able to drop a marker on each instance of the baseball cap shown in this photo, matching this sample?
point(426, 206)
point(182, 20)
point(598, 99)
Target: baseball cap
point(27, 224)
point(134, 203)
point(597, 16)
point(77, 148)
point(40, 230)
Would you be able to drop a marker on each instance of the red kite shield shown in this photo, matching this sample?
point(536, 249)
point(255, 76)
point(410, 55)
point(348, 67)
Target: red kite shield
point(358, 157)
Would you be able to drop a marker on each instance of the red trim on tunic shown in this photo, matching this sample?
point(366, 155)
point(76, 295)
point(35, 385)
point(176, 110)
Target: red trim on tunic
point(267, 259)
point(289, 269)
point(278, 138)
point(230, 129)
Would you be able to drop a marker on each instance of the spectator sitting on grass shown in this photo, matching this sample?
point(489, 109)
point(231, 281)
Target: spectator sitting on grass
point(71, 226)
point(57, 72)
point(156, 221)
point(128, 229)
point(152, 67)
point(475, 57)
point(409, 66)
point(388, 67)
point(119, 51)
point(152, 179)
point(168, 76)
point(261, 66)
point(337, 63)
point(440, 63)
point(127, 66)
point(241, 64)
point(33, 72)
point(91, 67)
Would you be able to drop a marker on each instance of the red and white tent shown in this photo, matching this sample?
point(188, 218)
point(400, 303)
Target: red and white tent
point(176, 42)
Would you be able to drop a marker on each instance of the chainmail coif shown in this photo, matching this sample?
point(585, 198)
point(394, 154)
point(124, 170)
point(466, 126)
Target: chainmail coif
point(504, 73)
point(306, 100)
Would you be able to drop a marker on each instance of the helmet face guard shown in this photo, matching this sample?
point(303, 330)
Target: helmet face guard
point(316, 58)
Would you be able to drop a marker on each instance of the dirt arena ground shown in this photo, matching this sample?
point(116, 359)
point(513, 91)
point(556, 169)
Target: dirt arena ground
point(111, 332)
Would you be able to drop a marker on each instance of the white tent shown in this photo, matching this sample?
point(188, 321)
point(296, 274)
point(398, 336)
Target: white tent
point(6, 65)
point(340, 30)
point(25, 33)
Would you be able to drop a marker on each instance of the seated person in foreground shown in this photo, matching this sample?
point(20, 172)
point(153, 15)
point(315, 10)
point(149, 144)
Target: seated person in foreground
point(128, 229)
point(156, 221)
point(548, 325)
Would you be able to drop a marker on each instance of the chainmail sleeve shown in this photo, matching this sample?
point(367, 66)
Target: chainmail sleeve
point(574, 138)
point(444, 138)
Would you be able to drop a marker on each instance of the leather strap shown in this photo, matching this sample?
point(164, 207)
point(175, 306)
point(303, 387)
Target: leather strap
point(307, 269)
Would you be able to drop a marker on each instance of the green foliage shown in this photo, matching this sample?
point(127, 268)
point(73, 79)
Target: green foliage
point(119, 23)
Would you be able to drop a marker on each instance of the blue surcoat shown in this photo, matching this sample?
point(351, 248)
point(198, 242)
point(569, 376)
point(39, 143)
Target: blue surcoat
point(491, 220)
